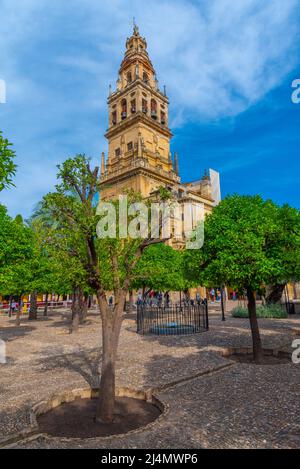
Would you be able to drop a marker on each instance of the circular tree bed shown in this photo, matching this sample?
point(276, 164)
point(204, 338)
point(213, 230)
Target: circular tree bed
point(270, 356)
point(76, 419)
point(72, 415)
point(266, 359)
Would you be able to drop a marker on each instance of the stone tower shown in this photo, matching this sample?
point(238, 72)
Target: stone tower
point(138, 136)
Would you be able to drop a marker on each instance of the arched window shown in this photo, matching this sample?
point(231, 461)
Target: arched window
point(145, 77)
point(114, 117)
point(129, 78)
point(133, 106)
point(144, 106)
point(123, 109)
point(153, 109)
point(163, 117)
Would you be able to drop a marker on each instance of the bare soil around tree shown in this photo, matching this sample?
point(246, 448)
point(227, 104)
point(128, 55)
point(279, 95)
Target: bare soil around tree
point(76, 419)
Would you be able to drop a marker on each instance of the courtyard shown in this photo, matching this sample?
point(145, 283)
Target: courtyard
point(210, 400)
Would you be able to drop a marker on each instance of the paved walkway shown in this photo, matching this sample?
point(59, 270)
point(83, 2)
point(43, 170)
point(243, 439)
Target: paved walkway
point(240, 406)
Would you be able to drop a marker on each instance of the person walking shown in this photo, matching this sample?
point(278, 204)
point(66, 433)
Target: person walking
point(167, 299)
point(139, 299)
point(13, 307)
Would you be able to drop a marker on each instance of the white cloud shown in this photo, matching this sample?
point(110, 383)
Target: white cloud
point(220, 59)
point(217, 58)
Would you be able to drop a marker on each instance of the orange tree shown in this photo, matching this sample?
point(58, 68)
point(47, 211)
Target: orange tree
point(248, 243)
point(109, 262)
point(161, 268)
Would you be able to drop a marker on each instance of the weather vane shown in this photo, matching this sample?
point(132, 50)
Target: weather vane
point(135, 27)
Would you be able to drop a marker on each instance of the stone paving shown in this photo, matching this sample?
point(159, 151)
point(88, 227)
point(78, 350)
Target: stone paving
point(213, 401)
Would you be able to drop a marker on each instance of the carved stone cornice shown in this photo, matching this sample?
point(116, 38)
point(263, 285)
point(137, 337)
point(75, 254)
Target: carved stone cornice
point(139, 166)
point(133, 85)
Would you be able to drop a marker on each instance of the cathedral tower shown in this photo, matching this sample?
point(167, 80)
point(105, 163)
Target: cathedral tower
point(138, 136)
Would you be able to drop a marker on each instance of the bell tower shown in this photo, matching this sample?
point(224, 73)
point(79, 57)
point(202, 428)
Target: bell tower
point(138, 135)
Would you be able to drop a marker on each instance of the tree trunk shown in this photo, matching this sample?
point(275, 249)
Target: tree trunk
point(111, 327)
point(46, 305)
point(84, 308)
point(223, 306)
point(79, 309)
point(75, 311)
point(274, 293)
point(225, 298)
point(257, 346)
point(130, 302)
point(187, 298)
point(10, 302)
point(19, 311)
point(33, 306)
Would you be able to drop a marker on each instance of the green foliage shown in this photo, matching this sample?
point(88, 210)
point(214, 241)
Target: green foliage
point(248, 242)
point(160, 268)
point(111, 263)
point(239, 312)
point(7, 165)
point(270, 311)
point(164, 193)
point(16, 254)
point(86, 260)
point(61, 254)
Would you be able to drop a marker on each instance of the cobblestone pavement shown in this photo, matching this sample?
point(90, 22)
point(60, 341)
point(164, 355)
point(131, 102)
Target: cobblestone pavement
point(239, 406)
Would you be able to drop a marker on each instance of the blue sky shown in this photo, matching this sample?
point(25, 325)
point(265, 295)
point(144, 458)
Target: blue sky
point(228, 67)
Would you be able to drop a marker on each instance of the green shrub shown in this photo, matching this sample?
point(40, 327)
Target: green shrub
point(239, 312)
point(271, 311)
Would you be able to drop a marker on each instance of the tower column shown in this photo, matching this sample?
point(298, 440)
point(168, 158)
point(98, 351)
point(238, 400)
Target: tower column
point(102, 164)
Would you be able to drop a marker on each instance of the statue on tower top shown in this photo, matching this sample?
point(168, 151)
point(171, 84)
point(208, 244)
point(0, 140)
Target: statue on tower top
point(135, 28)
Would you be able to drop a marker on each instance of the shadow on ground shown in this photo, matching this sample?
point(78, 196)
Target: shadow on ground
point(13, 332)
point(86, 364)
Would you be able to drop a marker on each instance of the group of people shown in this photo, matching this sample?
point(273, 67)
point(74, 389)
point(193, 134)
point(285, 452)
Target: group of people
point(163, 299)
point(159, 299)
point(215, 295)
point(154, 299)
point(12, 307)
